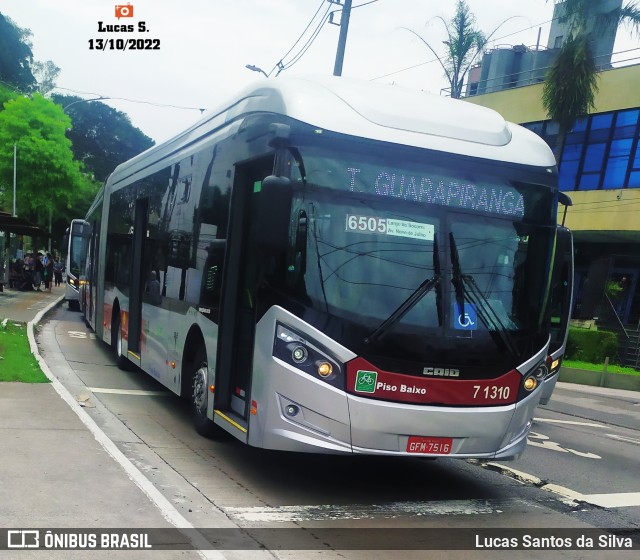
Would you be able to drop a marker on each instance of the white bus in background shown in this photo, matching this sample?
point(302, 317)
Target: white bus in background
point(75, 246)
point(327, 265)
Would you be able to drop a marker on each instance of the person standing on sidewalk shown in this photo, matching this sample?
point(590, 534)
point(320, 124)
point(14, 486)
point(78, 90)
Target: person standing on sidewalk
point(57, 271)
point(37, 271)
point(47, 271)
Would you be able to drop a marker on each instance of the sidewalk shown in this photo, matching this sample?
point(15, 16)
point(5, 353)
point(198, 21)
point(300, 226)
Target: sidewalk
point(24, 306)
point(56, 471)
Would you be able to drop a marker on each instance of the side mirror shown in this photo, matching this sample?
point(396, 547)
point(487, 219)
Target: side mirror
point(274, 213)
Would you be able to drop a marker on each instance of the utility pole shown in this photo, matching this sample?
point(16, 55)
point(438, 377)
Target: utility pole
point(342, 41)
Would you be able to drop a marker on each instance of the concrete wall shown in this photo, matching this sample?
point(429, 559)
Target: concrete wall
point(618, 89)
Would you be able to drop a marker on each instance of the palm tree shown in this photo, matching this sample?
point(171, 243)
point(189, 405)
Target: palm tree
point(571, 84)
point(464, 44)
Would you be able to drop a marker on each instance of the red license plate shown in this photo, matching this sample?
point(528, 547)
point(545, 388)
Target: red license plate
point(429, 445)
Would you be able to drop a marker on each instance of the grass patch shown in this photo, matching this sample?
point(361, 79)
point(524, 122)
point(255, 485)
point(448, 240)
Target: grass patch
point(611, 368)
point(17, 363)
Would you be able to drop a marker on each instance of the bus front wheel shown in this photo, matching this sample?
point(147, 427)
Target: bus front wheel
point(200, 395)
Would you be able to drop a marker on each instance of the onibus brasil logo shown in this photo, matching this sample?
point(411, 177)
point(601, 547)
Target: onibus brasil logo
point(366, 381)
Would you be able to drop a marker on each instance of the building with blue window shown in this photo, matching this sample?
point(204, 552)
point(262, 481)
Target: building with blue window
point(600, 170)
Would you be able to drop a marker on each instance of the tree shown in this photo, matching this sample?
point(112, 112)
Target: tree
point(464, 44)
point(16, 57)
point(46, 74)
point(49, 180)
point(571, 84)
point(6, 94)
point(102, 137)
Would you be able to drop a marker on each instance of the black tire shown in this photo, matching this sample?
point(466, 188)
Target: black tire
point(199, 395)
point(74, 305)
point(116, 343)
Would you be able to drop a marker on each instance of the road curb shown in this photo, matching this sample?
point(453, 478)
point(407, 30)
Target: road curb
point(168, 511)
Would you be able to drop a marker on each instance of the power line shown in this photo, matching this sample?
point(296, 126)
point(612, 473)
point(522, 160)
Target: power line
point(110, 97)
point(436, 60)
point(281, 65)
point(300, 37)
point(365, 4)
point(616, 206)
point(309, 42)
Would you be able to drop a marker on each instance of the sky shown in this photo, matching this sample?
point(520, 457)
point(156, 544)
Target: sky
point(205, 45)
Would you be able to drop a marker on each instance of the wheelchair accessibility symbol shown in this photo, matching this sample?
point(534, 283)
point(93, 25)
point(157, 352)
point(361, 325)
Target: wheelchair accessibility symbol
point(465, 319)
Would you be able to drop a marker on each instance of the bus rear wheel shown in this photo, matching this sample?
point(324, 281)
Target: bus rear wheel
point(199, 375)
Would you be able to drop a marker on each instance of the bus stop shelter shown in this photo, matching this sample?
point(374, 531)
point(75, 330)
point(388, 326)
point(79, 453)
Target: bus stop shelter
point(20, 226)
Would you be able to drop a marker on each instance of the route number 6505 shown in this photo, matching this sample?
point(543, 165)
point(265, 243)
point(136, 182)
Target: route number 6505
point(366, 224)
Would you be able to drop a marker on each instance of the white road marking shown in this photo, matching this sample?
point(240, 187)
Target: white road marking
point(515, 474)
point(540, 440)
point(613, 500)
point(624, 438)
point(616, 500)
point(81, 334)
point(283, 514)
point(570, 496)
point(136, 392)
point(570, 422)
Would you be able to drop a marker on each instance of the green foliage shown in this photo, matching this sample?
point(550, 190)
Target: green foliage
point(6, 94)
point(102, 137)
point(611, 368)
point(464, 43)
point(15, 55)
point(613, 289)
point(17, 363)
point(48, 178)
point(590, 345)
point(571, 83)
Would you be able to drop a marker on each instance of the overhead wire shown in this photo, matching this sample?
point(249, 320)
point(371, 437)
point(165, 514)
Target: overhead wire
point(110, 97)
point(436, 60)
point(300, 37)
point(281, 65)
point(309, 42)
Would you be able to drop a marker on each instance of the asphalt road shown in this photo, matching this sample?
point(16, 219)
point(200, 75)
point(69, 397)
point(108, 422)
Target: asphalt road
point(582, 444)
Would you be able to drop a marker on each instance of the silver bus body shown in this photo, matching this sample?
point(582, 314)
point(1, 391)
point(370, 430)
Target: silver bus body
point(277, 405)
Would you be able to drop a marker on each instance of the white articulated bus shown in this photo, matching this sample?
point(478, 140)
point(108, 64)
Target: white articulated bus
point(326, 265)
point(75, 244)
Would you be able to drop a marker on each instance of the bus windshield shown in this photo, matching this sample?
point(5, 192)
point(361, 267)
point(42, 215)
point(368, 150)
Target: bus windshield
point(401, 244)
point(78, 245)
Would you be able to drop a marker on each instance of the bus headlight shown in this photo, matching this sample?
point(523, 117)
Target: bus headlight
point(307, 355)
point(299, 354)
point(530, 383)
point(325, 369)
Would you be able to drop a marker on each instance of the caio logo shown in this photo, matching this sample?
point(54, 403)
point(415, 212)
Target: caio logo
point(124, 10)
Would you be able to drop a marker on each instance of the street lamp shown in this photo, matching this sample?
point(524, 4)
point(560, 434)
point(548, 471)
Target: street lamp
point(84, 101)
point(256, 69)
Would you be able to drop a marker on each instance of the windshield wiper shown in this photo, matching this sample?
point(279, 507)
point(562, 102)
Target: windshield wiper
point(409, 303)
point(465, 286)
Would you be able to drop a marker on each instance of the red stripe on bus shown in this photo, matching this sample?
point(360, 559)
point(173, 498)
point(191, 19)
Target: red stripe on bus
point(366, 380)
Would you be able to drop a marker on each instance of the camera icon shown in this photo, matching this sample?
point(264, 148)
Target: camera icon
point(124, 10)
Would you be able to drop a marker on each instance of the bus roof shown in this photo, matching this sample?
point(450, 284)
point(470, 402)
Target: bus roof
point(375, 111)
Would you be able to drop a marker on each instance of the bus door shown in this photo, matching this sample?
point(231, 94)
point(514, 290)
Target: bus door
point(134, 322)
point(238, 313)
